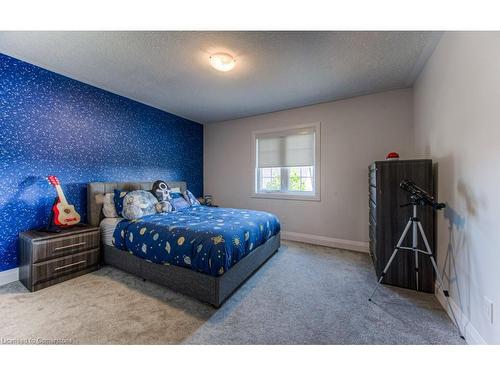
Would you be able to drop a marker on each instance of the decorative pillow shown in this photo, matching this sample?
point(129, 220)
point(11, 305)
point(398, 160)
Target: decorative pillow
point(178, 201)
point(108, 202)
point(138, 203)
point(118, 197)
point(191, 198)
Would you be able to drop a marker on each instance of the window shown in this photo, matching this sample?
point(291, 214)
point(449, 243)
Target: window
point(270, 179)
point(287, 163)
point(300, 178)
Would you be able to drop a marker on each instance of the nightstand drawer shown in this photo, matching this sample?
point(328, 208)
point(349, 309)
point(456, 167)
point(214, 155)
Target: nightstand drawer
point(49, 249)
point(55, 268)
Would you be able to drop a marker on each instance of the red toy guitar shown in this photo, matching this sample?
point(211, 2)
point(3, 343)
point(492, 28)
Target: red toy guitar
point(64, 213)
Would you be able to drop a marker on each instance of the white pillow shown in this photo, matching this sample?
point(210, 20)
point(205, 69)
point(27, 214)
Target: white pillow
point(175, 190)
point(108, 202)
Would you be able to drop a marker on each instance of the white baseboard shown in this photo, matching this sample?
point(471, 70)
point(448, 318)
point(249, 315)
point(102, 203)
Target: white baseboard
point(325, 241)
point(472, 336)
point(9, 276)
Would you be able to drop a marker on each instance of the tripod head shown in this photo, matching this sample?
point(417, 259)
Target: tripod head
point(419, 196)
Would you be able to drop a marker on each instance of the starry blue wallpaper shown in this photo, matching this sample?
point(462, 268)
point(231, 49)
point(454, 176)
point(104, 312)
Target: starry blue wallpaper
point(51, 124)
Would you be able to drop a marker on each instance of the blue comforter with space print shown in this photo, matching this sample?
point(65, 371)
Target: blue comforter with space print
point(205, 239)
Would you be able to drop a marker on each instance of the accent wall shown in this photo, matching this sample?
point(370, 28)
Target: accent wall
point(51, 124)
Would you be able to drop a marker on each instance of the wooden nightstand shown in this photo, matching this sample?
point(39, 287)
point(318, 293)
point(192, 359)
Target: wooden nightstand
point(50, 258)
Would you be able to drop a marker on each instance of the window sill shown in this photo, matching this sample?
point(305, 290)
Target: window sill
point(295, 197)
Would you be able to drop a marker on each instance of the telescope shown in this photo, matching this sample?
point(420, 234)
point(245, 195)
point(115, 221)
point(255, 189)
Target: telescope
point(420, 196)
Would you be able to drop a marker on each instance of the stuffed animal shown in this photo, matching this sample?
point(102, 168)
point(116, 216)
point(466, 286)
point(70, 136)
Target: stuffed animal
point(161, 191)
point(138, 203)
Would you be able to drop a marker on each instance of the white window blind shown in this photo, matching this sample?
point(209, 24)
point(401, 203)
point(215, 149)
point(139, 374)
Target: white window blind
point(291, 149)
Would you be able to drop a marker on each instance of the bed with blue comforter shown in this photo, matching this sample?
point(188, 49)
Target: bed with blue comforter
point(205, 239)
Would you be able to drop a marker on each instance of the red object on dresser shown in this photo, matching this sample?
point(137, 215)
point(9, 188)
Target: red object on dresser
point(392, 156)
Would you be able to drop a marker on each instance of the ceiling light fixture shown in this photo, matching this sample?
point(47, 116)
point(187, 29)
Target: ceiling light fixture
point(222, 61)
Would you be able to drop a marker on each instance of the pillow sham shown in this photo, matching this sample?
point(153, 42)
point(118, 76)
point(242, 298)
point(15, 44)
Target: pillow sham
point(108, 208)
point(118, 197)
point(178, 201)
point(191, 198)
point(138, 203)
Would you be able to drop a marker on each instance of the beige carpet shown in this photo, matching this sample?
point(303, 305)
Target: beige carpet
point(304, 295)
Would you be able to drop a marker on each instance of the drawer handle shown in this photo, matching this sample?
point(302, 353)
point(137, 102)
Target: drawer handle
point(60, 248)
point(69, 265)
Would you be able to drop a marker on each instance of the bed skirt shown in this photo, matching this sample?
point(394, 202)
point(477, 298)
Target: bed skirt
point(206, 288)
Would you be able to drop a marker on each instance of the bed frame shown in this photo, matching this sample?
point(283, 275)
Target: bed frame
point(206, 288)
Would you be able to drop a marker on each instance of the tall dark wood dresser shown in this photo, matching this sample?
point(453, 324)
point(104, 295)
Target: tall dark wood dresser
point(50, 258)
point(388, 220)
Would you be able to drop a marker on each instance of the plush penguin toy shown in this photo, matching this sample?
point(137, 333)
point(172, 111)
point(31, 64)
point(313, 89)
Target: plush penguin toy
point(161, 191)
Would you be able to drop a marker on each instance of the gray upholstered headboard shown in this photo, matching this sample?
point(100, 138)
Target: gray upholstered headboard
point(94, 209)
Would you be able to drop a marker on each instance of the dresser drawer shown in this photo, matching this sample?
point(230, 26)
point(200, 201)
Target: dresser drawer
point(55, 268)
point(45, 250)
point(373, 249)
point(373, 207)
point(371, 231)
point(372, 177)
point(373, 193)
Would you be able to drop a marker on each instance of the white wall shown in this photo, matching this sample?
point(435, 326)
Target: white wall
point(354, 132)
point(457, 123)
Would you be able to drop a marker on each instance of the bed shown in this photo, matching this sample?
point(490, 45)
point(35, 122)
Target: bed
point(203, 252)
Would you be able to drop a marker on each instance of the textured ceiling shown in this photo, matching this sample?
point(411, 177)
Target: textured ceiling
point(274, 71)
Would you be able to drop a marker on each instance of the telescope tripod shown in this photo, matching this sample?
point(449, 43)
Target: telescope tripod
point(416, 225)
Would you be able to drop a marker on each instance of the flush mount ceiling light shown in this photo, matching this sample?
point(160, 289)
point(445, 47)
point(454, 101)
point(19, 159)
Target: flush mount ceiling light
point(222, 61)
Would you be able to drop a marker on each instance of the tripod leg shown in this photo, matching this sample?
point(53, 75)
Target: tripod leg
point(401, 239)
point(384, 272)
point(414, 245)
point(440, 279)
point(416, 270)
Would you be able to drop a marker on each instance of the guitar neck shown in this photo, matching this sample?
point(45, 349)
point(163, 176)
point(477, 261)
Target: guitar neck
point(60, 194)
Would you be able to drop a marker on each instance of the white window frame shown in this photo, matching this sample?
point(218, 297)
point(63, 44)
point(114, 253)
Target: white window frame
point(299, 195)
